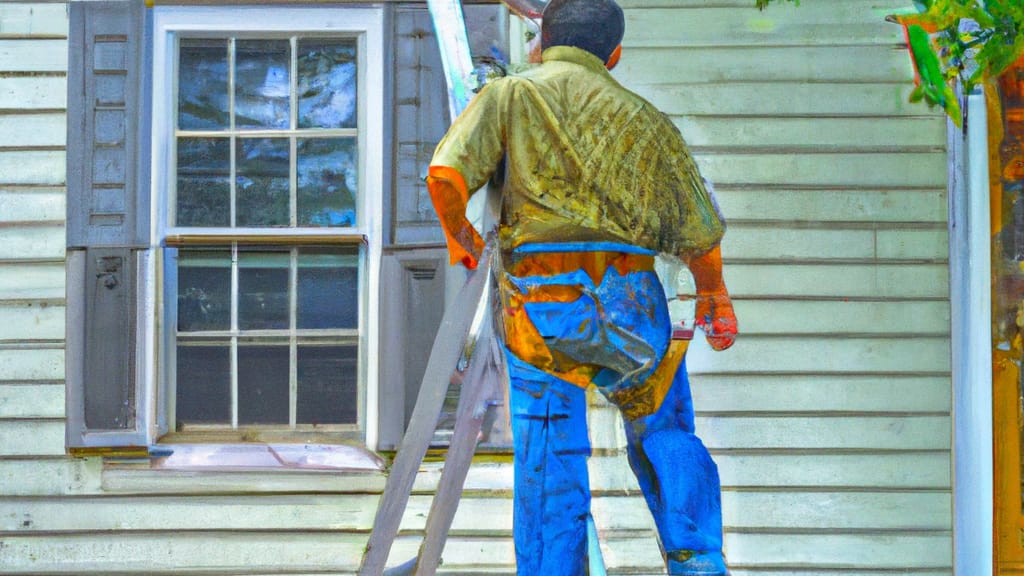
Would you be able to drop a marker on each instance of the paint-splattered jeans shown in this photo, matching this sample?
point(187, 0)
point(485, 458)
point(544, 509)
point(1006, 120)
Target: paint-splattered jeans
point(675, 472)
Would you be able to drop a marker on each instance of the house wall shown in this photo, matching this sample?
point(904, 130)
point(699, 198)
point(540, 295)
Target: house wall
point(829, 419)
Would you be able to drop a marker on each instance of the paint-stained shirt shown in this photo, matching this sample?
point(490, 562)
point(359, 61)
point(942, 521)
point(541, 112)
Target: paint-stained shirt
point(586, 160)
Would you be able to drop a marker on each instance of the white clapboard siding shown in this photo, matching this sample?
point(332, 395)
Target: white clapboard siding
point(44, 167)
point(34, 55)
point(769, 241)
point(33, 129)
point(33, 93)
point(31, 281)
point(30, 204)
point(741, 64)
point(30, 321)
point(31, 401)
point(49, 476)
point(33, 242)
point(815, 134)
point(22, 364)
point(33, 20)
point(778, 99)
point(814, 279)
point(830, 205)
point(32, 437)
point(835, 393)
point(800, 168)
point(838, 316)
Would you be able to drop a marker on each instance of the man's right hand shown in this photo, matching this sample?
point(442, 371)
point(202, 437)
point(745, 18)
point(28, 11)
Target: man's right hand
point(716, 317)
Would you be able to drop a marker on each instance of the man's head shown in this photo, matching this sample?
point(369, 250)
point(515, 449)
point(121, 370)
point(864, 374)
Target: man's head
point(596, 26)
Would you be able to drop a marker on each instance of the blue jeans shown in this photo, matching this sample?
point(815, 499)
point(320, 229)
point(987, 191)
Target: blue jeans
point(622, 326)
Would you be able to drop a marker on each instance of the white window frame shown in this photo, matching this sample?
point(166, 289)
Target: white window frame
point(169, 23)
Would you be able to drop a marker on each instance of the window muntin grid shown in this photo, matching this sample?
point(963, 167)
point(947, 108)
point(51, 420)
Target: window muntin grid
point(274, 146)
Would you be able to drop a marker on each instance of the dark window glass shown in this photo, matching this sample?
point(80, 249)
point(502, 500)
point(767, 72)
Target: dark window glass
point(204, 384)
point(262, 384)
point(203, 84)
point(328, 290)
point(204, 192)
point(328, 385)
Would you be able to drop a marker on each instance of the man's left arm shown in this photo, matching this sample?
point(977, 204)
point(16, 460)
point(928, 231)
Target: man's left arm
point(715, 314)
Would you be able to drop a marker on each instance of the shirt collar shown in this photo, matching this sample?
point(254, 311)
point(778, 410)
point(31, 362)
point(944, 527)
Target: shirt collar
point(575, 56)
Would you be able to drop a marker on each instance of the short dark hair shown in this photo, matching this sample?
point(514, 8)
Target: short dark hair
point(596, 26)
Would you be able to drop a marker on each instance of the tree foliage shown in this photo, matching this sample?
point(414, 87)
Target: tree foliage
point(968, 41)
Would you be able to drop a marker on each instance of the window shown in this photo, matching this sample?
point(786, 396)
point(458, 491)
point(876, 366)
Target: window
point(267, 199)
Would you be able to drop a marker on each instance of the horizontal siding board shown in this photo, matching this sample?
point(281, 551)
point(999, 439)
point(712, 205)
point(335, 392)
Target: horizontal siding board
point(779, 64)
point(143, 480)
point(827, 205)
point(822, 433)
point(44, 167)
point(32, 281)
point(763, 100)
point(184, 552)
point(755, 354)
point(906, 169)
point(50, 477)
point(841, 317)
point(31, 437)
point(32, 364)
point(33, 18)
point(815, 133)
point(31, 321)
point(32, 242)
point(854, 23)
point(33, 55)
point(837, 280)
point(785, 470)
point(777, 242)
point(33, 93)
point(916, 470)
point(46, 129)
point(289, 512)
point(833, 393)
point(910, 244)
point(836, 510)
point(31, 401)
point(895, 551)
point(31, 204)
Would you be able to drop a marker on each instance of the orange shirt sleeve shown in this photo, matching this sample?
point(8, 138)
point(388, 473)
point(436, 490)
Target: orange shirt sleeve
point(449, 194)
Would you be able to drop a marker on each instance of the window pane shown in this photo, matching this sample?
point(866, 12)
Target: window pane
point(203, 84)
point(263, 290)
point(262, 384)
point(327, 181)
point(327, 83)
point(261, 182)
point(204, 291)
point(327, 388)
point(203, 193)
point(204, 383)
point(328, 290)
point(262, 84)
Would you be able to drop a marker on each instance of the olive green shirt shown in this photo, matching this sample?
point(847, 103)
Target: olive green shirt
point(586, 160)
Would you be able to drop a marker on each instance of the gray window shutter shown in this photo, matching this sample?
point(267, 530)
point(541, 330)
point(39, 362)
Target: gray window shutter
point(107, 221)
point(415, 277)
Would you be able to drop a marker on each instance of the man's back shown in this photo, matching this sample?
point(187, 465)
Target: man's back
point(587, 160)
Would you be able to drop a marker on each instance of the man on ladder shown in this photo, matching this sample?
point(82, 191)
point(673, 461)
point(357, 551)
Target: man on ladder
point(596, 182)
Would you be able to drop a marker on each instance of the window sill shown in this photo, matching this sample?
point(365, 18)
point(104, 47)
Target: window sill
point(265, 457)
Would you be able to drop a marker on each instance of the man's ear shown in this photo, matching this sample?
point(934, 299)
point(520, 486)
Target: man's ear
point(614, 58)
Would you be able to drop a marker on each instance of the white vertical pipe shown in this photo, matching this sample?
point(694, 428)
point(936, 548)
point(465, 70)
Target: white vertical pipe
point(971, 310)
